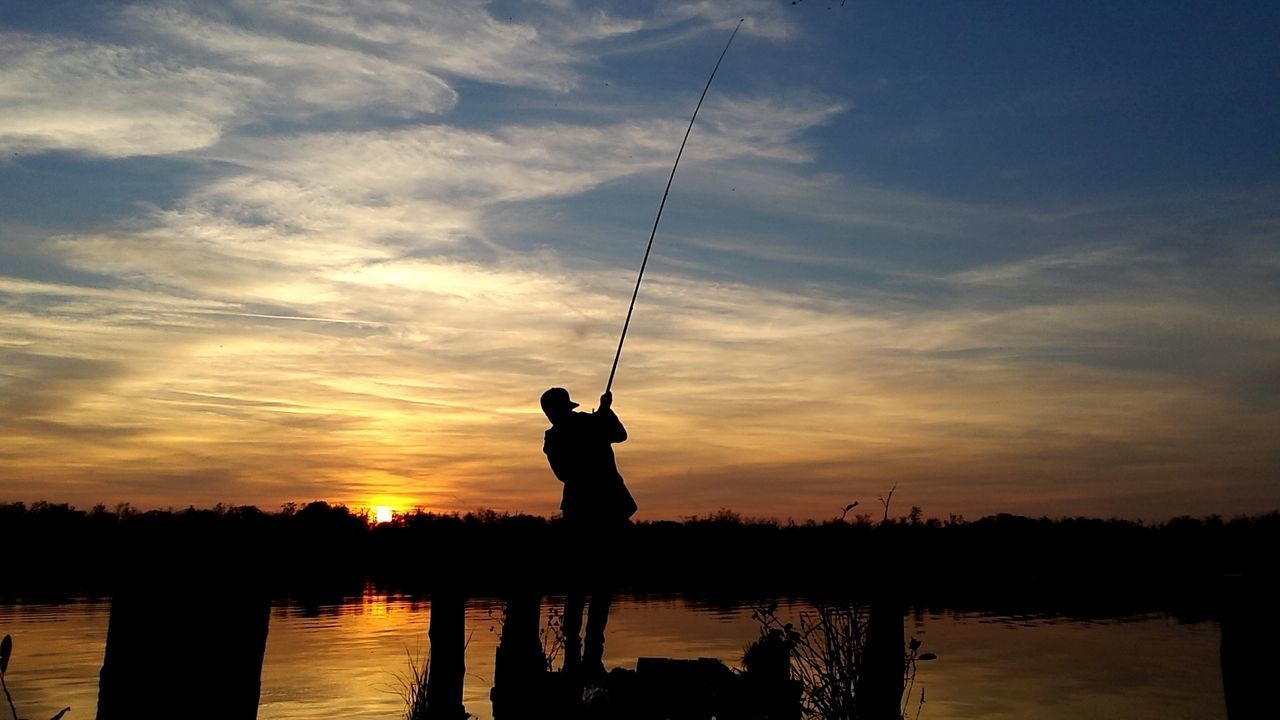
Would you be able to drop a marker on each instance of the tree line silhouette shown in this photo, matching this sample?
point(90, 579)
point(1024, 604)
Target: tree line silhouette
point(995, 560)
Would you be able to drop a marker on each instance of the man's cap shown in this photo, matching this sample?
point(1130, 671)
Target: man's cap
point(557, 398)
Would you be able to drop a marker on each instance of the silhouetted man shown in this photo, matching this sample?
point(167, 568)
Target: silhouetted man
point(596, 506)
point(579, 447)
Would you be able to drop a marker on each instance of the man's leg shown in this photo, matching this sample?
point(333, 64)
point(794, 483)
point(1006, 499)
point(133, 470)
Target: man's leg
point(571, 624)
point(597, 619)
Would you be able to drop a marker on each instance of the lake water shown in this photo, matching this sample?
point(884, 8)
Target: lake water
point(346, 659)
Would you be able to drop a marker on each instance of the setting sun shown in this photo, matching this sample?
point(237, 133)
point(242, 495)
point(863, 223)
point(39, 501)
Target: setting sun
point(382, 514)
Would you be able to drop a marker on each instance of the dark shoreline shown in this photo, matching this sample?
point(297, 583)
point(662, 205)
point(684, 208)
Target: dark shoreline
point(1076, 566)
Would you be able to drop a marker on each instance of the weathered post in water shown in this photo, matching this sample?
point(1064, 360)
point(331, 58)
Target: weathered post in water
point(448, 647)
point(880, 687)
point(520, 668)
point(188, 627)
point(883, 678)
point(1250, 634)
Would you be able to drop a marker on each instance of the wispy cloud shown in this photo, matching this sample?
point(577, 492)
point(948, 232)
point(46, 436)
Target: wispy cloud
point(296, 77)
point(457, 39)
point(193, 71)
point(110, 100)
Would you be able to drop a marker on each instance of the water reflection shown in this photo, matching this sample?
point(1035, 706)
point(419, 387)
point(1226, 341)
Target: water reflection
point(341, 657)
point(527, 685)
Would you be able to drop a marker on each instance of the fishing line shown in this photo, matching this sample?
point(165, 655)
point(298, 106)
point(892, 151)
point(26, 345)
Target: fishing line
point(635, 293)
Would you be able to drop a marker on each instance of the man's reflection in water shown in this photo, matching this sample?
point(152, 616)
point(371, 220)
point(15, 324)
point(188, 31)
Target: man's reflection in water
point(589, 656)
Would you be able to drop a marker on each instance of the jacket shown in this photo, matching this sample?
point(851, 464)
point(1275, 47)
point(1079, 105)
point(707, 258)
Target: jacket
point(580, 452)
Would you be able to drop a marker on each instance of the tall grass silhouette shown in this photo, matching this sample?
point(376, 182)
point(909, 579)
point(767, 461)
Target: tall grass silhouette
point(6, 652)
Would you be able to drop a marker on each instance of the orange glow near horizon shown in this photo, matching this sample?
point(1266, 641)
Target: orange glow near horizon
point(835, 402)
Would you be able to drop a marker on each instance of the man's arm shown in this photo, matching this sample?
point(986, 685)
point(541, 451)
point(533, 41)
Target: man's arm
point(610, 425)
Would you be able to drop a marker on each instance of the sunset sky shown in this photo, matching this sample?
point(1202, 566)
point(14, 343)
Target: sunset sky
point(1009, 257)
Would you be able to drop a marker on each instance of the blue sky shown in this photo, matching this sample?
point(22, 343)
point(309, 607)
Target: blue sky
point(1006, 256)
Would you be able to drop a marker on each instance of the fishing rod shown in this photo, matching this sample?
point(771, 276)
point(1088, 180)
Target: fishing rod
point(635, 293)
